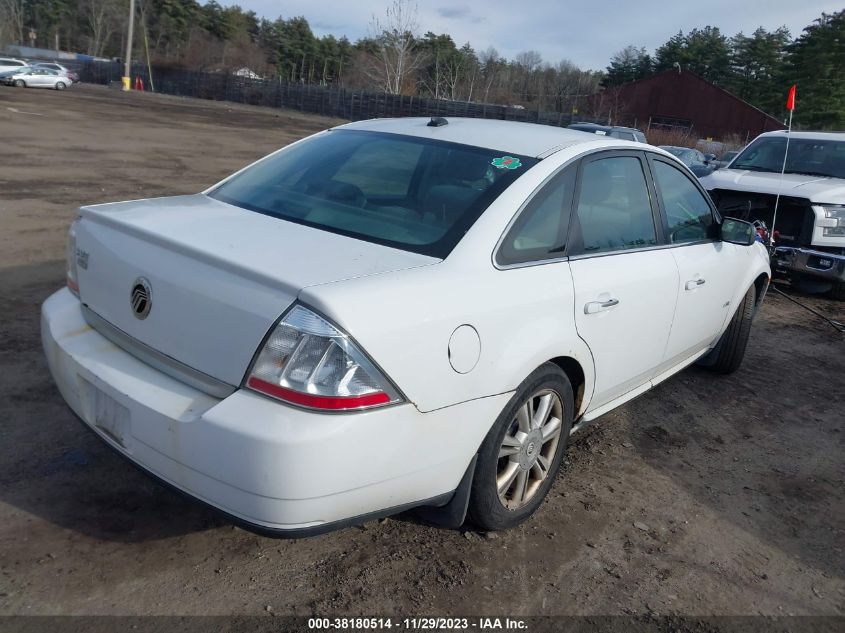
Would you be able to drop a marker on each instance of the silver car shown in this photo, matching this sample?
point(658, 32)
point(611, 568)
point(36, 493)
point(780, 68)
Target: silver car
point(32, 77)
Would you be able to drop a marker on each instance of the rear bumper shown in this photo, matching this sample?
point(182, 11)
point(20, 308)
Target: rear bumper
point(810, 262)
point(273, 468)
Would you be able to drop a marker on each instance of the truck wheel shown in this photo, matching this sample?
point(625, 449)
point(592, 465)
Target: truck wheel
point(727, 356)
point(838, 291)
point(520, 456)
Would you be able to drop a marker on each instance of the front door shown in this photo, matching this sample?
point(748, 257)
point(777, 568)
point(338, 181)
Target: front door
point(625, 284)
point(707, 266)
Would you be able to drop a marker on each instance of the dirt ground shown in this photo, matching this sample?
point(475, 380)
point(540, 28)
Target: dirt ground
point(706, 496)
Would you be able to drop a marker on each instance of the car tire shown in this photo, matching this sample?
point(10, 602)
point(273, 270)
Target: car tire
point(727, 356)
point(535, 455)
point(20, 83)
point(838, 291)
point(60, 85)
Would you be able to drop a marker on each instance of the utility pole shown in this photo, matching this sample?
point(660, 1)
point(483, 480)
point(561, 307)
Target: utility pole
point(127, 67)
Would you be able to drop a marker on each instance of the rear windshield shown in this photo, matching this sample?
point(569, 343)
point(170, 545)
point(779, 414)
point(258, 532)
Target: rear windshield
point(813, 157)
point(410, 193)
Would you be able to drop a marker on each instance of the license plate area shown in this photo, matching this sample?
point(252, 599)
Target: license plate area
point(106, 413)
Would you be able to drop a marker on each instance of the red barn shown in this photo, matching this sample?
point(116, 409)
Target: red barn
point(682, 99)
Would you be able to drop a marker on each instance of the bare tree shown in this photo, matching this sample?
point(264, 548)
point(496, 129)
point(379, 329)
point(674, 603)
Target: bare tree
point(490, 62)
point(100, 16)
point(12, 17)
point(453, 70)
point(396, 57)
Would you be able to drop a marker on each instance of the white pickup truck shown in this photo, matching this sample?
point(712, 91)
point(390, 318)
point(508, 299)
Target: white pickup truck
point(810, 228)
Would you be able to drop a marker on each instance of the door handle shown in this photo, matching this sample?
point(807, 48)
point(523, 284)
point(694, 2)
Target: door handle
point(599, 306)
point(692, 284)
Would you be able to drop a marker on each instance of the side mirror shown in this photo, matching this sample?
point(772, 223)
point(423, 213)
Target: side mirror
point(739, 232)
point(709, 158)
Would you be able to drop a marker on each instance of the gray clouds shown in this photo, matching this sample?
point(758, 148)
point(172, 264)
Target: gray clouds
point(585, 33)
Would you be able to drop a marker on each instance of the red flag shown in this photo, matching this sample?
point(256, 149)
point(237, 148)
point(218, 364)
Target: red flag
point(790, 100)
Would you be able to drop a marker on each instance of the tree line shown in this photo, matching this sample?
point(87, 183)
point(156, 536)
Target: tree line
point(398, 58)
point(758, 68)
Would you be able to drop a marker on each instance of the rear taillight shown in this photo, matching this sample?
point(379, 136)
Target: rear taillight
point(70, 259)
point(309, 362)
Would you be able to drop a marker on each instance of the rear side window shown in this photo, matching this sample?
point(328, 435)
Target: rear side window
point(407, 192)
point(541, 229)
point(614, 206)
point(688, 214)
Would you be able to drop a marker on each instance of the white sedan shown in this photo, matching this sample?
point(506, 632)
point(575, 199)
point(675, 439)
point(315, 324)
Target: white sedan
point(393, 314)
point(36, 77)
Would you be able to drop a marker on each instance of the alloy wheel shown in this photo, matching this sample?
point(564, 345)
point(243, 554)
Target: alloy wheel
point(528, 448)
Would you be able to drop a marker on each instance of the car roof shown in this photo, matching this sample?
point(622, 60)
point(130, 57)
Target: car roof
point(821, 136)
point(528, 139)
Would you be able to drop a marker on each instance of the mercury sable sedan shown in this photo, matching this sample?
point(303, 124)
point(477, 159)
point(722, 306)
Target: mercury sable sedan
point(394, 314)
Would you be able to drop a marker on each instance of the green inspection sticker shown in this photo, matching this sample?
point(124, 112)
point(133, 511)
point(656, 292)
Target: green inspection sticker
point(506, 162)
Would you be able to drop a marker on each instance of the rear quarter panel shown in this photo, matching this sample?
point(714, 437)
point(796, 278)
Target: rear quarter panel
point(404, 320)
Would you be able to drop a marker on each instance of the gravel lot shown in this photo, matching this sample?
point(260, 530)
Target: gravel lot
point(706, 496)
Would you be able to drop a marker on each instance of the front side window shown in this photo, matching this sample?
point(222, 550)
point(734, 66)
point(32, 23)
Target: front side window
point(407, 192)
point(614, 206)
point(688, 214)
point(541, 229)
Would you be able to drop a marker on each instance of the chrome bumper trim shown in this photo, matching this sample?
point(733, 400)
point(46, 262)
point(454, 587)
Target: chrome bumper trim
point(803, 260)
point(162, 362)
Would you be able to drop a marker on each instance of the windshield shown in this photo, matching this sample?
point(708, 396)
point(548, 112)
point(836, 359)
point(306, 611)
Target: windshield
point(814, 157)
point(410, 193)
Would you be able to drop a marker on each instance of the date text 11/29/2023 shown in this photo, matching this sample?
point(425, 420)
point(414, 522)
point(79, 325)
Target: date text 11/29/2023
point(417, 624)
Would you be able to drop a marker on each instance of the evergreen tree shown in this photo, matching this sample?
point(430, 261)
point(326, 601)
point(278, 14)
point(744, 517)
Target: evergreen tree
point(629, 64)
point(815, 62)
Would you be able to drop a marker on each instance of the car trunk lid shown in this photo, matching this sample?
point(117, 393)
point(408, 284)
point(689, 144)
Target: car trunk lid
point(217, 276)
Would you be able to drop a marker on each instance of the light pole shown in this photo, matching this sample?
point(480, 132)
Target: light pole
point(127, 67)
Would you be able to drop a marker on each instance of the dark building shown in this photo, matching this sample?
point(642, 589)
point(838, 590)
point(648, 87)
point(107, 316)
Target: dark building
point(681, 99)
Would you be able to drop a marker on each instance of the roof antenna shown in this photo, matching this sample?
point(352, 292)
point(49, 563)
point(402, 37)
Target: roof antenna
point(437, 121)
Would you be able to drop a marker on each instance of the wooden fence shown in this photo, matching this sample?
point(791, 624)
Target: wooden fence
point(331, 101)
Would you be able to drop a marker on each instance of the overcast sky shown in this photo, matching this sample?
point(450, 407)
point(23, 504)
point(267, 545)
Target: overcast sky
point(587, 32)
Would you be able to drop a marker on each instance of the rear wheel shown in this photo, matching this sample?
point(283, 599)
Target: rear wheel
point(20, 83)
point(727, 356)
point(60, 85)
point(521, 454)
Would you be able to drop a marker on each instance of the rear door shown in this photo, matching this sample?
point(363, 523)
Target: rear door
point(625, 282)
point(706, 265)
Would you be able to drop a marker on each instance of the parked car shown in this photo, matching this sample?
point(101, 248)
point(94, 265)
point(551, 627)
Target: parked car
point(9, 63)
point(614, 131)
point(62, 70)
point(31, 77)
point(699, 163)
point(810, 229)
point(725, 159)
point(395, 313)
